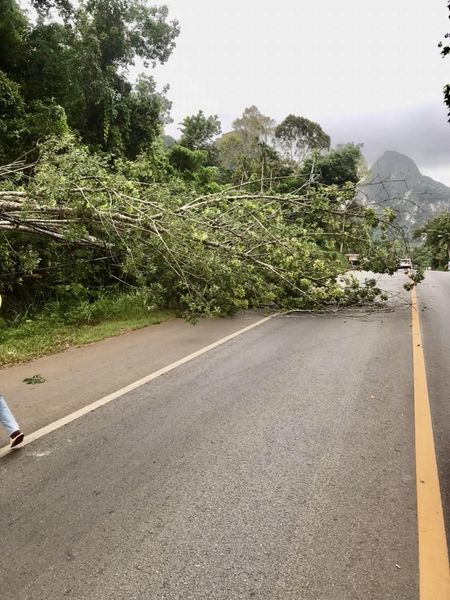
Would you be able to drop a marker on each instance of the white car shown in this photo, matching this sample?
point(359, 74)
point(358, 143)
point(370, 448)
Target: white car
point(405, 264)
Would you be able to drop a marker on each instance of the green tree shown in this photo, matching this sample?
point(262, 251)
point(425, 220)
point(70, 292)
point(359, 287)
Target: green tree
point(148, 112)
point(13, 30)
point(421, 256)
point(43, 7)
point(22, 124)
point(186, 160)
point(339, 166)
point(245, 152)
point(110, 36)
point(198, 131)
point(298, 137)
point(78, 56)
point(193, 166)
point(254, 128)
point(231, 152)
point(437, 238)
point(12, 107)
point(445, 50)
point(51, 69)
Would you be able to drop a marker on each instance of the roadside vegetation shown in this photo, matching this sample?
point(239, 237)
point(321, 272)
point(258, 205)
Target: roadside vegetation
point(434, 250)
point(106, 223)
point(59, 326)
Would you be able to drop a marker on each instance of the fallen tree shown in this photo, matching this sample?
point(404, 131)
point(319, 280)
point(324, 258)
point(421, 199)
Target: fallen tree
point(207, 254)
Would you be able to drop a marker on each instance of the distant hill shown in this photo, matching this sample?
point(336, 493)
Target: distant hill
point(395, 181)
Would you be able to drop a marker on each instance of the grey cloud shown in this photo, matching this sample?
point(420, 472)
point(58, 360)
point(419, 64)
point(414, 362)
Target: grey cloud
point(422, 133)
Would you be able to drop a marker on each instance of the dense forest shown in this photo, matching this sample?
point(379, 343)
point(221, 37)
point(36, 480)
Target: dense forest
point(95, 199)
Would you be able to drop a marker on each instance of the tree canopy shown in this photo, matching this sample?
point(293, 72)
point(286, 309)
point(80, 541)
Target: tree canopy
point(339, 166)
point(79, 58)
point(445, 50)
point(198, 131)
point(437, 238)
point(298, 137)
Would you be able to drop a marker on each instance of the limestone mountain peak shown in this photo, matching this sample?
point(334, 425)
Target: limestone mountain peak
point(395, 181)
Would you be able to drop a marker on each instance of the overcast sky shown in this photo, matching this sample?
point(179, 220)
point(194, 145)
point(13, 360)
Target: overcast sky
point(366, 71)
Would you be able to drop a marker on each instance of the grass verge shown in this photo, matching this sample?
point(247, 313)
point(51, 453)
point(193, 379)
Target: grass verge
point(55, 330)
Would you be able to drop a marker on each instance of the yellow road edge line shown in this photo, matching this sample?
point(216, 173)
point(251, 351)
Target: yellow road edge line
point(35, 435)
point(434, 574)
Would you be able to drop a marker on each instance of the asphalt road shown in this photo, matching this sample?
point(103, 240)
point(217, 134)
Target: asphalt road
point(278, 465)
point(434, 295)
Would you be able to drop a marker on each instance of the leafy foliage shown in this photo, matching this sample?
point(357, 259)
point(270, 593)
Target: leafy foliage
point(78, 60)
point(437, 239)
point(298, 137)
point(337, 167)
point(209, 254)
point(445, 50)
point(13, 29)
point(198, 131)
point(247, 153)
point(22, 124)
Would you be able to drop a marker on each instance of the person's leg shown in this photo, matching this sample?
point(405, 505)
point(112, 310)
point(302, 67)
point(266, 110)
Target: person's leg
point(7, 418)
point(10, 424)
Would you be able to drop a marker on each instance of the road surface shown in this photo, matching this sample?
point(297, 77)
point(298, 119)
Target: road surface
point(278, 465)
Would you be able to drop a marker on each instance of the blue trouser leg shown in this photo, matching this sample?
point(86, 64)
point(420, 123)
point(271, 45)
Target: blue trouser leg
point(7, 418)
